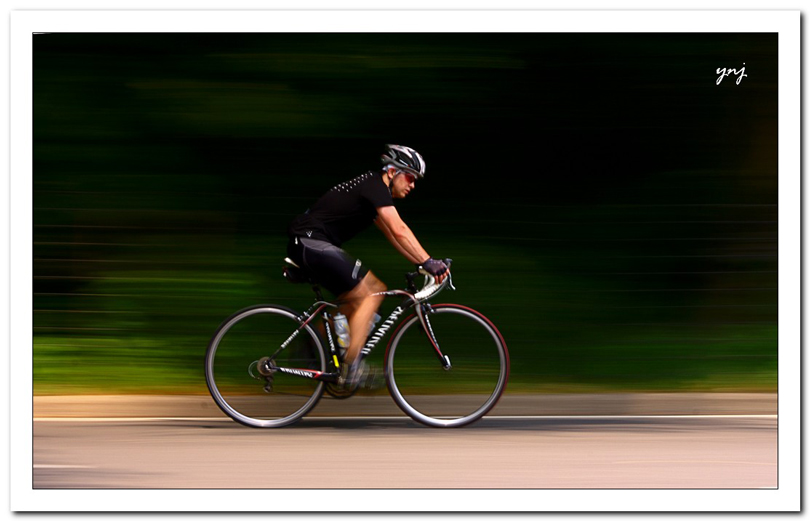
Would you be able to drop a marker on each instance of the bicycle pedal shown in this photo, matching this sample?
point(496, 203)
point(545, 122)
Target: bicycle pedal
point(372, 379)
point(374, 382)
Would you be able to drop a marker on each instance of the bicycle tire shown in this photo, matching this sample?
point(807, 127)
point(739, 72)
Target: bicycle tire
point(427, 392)
point(233, 379)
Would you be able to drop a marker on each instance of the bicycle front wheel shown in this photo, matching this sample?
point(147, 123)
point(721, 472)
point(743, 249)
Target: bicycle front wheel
point(453, 397)
point(232, 373)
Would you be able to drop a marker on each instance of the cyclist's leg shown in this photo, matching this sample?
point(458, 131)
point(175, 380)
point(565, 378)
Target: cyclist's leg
point(361, 305)
point(346, 277)
point(332, 267)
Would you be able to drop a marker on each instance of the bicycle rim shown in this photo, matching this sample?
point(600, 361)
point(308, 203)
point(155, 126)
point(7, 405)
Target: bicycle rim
point(233, 378)
point(427, 392)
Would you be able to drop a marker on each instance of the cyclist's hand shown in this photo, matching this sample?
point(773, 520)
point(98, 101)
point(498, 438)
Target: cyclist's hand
point(436, 268)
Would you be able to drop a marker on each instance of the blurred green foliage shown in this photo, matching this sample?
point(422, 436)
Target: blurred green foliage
point(607, 205)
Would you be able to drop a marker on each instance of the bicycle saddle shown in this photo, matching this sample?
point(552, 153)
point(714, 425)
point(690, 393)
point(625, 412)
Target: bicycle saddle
point(295, 273)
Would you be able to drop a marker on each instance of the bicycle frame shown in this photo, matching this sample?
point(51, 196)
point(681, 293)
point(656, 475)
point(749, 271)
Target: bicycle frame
point(320, 307)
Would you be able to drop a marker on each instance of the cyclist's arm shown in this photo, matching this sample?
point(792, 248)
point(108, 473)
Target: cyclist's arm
point(399, 235)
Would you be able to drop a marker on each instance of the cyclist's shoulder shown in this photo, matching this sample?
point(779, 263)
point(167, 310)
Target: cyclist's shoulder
point(374, 188)
point(370, 179)
point(354, 185)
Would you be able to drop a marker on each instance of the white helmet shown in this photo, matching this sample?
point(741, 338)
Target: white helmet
point(405, 159)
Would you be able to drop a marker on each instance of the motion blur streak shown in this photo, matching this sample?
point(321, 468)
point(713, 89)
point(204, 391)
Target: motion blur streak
point(626, 241)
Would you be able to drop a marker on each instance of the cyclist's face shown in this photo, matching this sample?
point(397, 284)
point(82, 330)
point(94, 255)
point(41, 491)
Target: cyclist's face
point(402, 185)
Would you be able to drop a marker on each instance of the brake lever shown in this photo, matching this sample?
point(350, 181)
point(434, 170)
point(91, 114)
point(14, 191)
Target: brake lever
point(410, 277)
point(449, 274)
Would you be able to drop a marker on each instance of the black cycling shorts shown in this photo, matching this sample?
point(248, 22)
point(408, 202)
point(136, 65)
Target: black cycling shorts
point(332, 267)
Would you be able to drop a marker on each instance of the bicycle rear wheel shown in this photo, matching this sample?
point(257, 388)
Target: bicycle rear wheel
point(458, 396)
point(232, 374)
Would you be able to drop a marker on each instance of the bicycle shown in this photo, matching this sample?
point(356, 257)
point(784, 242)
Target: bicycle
point(445, 365)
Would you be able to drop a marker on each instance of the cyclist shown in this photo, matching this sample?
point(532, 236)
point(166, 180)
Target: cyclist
point(317, 235)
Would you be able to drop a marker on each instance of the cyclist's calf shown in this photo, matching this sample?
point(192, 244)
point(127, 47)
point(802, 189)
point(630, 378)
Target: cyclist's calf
point(360, 308)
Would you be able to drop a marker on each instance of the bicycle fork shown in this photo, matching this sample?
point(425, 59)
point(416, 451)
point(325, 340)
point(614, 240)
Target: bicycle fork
point(422, 311)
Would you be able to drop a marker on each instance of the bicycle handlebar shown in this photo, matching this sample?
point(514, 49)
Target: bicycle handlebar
point(430, 288)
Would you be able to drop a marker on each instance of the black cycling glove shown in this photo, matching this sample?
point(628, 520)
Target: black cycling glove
point(435, 267)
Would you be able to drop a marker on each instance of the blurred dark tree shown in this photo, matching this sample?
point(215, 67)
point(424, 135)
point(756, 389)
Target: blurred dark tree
point(610, 206)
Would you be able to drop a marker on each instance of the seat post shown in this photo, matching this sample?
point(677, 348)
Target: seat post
point(317, 291)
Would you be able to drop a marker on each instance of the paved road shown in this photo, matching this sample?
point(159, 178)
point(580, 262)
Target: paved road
point(380, 404)
point(711, 451)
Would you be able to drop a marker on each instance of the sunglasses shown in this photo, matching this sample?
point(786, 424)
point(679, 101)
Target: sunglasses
point(409, 177)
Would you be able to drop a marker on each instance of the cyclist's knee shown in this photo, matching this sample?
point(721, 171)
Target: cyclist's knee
point(373, 284)
point(367, 287)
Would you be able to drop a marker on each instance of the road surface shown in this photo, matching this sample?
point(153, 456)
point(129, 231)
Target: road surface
point(585, 451)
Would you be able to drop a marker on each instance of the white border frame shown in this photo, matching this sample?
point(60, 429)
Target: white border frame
point(786, 23)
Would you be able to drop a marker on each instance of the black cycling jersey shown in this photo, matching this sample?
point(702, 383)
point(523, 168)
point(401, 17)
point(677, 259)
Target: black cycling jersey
point(344, 211)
